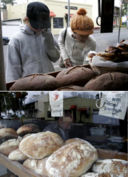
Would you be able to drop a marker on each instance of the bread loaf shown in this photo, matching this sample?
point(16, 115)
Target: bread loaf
point(71, 88)
point(108, 81)
point(71, 160)
point(77, 75)
point(38, 166)
point(6, 134)
point(116, 167)
point(35, 82)
point(40, 145)
point(97, 175)
point(27, 128)
point(17, 155)
point(8, 146)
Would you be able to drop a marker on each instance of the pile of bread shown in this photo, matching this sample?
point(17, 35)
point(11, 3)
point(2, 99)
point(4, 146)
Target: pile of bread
point(46, 154)
point(106, 71)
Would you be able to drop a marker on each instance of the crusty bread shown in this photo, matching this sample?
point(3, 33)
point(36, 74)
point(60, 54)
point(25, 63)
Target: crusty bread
point(8, 146)
point(115, 167)
point(97, 175)
point(77, 75)
point(7, 132)
point(17, 155)
point(38, 166)
point(108, 81)
point(71, 88)
point(35, 82)
point(71, 160)
point(40, 145)
point(27, 128)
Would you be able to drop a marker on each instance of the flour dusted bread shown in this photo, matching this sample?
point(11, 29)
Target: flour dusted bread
point(35, 82)
point(8, 146)
point(71, 160)
point(38, 166)
point(77, 75)
point(17, 155)
point(27, 128)
point(6, 134)
point(116, 167)
point(97, 175)
point(40, 145)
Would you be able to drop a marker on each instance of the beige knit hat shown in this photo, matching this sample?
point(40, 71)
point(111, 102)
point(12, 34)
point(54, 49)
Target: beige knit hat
point(81, 23)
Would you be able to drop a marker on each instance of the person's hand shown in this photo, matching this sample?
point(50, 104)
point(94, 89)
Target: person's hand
point(67, 63)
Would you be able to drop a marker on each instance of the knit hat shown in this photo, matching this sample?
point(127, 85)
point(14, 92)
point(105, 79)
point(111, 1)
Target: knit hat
point(81, 23)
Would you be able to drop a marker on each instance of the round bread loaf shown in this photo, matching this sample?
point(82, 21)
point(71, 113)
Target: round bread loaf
point(71, 160)
point(77, 75)
point(27, 128)
point(116, 167)
point(35, 82)
point(8, 146)
point(17, 155)
point(40, 145)
point(108, 81)
point(97, 175)
point(71, 88)
point(38, 166)
point(6, 134)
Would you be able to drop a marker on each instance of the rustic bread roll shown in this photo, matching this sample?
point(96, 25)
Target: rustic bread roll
point(9, 146)
point(17, 155)
point(40, 145)
point(97, 175)
point(38, 166)
point(77, 75)
point(108, 81)
point(6, 134)
point(27, 128)
point(35, 82)
point(71, 160)
point(115, 167)
point(71, 88)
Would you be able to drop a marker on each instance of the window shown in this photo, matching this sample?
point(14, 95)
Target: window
point(58, 23)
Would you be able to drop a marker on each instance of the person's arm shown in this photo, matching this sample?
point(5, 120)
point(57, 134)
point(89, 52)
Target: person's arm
point(14, 66)
point(63, 53)
point(91, 47)
point(51, 46)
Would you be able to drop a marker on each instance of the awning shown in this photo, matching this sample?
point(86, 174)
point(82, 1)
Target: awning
point(52, 14)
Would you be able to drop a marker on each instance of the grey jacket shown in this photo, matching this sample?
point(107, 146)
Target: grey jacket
point(74, 49)
point(30, 53)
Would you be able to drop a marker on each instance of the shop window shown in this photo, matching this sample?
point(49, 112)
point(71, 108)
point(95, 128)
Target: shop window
point(58, 22)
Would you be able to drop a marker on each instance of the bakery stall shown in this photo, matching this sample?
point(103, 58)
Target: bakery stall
point(32, 156)
point(105, 71)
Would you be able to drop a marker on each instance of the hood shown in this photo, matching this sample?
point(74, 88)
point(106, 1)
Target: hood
point(26, 29)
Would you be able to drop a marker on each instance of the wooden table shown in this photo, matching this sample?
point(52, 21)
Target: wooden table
point(17, 168)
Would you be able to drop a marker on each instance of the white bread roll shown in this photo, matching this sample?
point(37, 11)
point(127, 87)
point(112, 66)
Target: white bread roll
point(38, 166)
point(71, 160)
point(8, 146)
point(27, 128)
point(116, 167)
point(40, 145)
point(7, 132)
point(17, 155)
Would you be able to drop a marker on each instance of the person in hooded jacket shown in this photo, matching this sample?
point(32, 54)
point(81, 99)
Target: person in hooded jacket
point(33, 49)
point(75, 42)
